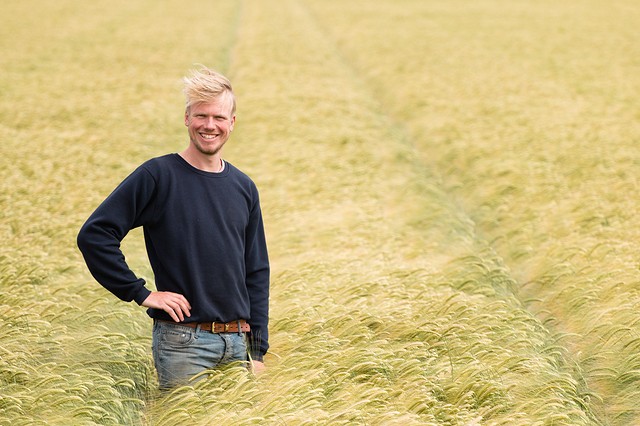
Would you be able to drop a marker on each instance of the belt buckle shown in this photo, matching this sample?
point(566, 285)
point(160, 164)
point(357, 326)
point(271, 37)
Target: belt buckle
point(213, 327)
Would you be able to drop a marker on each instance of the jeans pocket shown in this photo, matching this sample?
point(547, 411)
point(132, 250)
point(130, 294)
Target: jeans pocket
point(177, 336)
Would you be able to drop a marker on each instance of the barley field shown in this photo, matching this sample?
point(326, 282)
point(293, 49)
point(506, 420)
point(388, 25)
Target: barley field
point(450, 191)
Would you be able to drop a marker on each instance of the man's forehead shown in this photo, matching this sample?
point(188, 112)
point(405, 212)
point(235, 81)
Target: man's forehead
point(220, 104)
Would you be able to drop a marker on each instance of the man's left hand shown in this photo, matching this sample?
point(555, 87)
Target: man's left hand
point(258, 367)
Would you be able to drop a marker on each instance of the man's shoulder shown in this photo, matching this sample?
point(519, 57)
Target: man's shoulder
point(239, 175)
point(157, 165)
point(161, 161)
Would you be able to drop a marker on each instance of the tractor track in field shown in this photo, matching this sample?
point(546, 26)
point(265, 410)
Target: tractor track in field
point(506, 285)
point(496, 272)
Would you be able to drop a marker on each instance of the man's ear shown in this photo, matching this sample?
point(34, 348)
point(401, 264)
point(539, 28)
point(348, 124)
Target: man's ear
point(233, 123)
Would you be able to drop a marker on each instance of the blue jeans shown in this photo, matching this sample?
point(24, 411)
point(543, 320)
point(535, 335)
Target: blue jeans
point(181, 352)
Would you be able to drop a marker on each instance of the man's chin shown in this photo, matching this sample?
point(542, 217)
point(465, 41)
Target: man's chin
point(208, 151)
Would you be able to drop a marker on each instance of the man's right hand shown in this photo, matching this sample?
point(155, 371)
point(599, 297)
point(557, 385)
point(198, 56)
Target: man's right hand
point(176, 305)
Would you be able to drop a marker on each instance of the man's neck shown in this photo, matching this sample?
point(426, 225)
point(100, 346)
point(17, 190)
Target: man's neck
point(207, 163)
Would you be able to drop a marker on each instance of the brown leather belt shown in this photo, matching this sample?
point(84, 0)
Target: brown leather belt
point(217, 327)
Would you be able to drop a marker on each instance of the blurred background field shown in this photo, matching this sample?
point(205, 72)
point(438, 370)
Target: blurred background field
point(450, 193)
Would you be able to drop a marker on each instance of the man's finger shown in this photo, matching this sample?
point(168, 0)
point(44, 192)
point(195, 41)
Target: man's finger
point(175, 310)
point(175, 304)
point(184, 307)
point(171, 313)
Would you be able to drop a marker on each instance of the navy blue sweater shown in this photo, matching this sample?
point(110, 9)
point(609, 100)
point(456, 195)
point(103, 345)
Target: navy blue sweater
point(204, 237)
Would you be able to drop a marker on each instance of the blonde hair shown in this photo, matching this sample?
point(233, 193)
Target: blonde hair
point(206, 85)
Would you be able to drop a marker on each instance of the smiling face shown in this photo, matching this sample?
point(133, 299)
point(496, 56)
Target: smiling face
point(210, 124)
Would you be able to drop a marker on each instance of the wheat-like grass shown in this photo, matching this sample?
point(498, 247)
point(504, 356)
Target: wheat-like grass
point(445, 188)
point(528, 116)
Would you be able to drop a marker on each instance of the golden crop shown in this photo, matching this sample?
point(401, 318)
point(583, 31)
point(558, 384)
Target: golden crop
point(449, 188)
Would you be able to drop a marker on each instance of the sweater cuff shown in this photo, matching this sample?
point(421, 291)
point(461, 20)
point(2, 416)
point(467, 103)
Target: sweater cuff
point(257, 356)
point(142, 295)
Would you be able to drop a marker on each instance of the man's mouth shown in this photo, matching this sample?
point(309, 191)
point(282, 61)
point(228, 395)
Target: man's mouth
point(207, 136)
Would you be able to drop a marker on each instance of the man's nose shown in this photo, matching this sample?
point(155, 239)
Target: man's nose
point(209, 123)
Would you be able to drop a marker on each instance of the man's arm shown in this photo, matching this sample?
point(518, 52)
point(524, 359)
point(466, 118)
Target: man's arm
point(130, 205)
point(257, 281)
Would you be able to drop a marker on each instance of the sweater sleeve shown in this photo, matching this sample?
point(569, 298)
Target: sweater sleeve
point(99, 239)
point(257, 281)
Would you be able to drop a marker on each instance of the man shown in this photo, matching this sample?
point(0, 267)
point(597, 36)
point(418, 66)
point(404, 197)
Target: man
point(205, 240)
